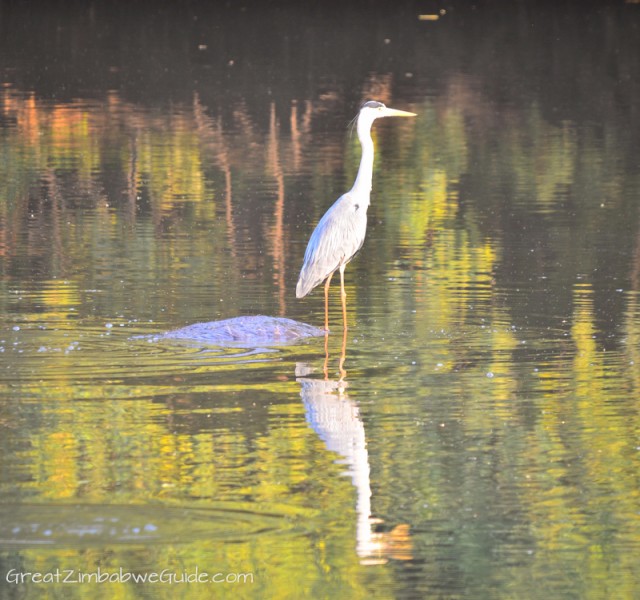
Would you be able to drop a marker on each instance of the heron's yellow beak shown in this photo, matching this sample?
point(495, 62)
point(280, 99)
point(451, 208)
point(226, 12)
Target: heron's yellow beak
point(394, 112)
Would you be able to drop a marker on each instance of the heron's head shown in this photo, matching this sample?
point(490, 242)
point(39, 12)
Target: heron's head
point(373, 110)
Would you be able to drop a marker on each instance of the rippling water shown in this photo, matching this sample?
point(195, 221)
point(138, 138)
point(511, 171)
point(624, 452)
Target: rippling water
point(474, 435)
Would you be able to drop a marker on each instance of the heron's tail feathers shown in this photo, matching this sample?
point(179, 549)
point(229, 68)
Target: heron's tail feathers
point(310, 277)
point(304, 286)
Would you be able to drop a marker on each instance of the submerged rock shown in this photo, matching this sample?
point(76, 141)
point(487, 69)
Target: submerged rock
point(252, 330)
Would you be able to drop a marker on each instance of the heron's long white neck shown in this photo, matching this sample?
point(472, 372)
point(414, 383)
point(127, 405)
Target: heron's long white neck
point(364, 178)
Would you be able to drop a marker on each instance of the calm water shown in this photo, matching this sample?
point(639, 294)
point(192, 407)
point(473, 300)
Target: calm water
point(162, 166)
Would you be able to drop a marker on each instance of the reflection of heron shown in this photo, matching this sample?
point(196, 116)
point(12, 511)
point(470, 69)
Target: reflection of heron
point(341, 231)
point(336, 420)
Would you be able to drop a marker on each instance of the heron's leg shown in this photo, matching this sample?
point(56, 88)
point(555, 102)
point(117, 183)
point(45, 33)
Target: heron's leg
point(343, 296)
point(326, 302)
point(325, 369)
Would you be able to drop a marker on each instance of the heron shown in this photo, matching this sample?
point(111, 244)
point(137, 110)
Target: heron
point(340, 233)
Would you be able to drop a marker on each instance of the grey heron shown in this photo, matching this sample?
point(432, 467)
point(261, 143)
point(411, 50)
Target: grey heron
point(341, 231)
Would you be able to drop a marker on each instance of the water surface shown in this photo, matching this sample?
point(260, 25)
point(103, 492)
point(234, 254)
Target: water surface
point(474, 436)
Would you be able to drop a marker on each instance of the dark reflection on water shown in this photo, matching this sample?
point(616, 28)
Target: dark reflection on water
point(163, 165)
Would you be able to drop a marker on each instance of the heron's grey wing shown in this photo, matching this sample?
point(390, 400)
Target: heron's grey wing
point(337, 237)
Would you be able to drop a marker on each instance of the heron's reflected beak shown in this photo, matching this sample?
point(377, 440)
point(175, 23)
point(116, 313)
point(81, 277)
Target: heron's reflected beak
point(394, 112)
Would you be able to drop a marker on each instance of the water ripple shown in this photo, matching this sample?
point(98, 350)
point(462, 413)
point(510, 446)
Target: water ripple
point(69, 525)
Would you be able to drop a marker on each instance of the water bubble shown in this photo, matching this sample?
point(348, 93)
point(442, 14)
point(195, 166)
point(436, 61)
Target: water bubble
point(108, 325)
point(489, 374)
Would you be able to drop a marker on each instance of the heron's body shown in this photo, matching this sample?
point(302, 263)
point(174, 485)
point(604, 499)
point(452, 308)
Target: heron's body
point(334, 242)
point(341, 231)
